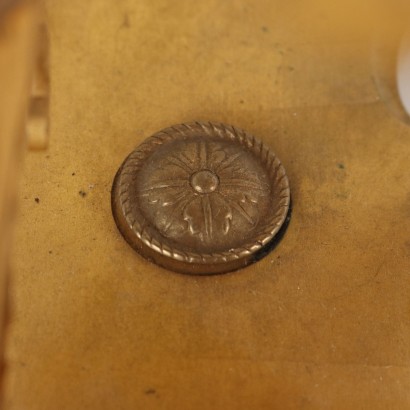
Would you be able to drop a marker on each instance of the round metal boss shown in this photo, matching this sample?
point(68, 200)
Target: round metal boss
point(200, 198)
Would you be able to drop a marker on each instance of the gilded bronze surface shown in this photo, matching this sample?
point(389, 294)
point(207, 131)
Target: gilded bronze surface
point(322, 322)
point(200, 198)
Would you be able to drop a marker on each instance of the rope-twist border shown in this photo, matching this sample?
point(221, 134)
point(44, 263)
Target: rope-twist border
point(273, 167)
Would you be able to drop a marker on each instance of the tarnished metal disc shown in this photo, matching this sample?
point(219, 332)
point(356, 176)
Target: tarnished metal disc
point(200, 198)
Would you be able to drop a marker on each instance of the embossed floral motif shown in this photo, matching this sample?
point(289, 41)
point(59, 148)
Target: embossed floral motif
point(209, 191)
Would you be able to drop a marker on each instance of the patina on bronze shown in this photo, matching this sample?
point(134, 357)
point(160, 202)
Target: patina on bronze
point(200, 198)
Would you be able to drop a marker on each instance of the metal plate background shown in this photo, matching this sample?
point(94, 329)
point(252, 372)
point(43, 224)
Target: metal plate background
point(321, 322)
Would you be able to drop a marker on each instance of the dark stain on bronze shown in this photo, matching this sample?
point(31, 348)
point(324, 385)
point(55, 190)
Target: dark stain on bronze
point(276, 239)
point(201, 198)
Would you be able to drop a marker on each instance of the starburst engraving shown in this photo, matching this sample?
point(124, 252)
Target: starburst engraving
point(201, 197)
point(209, 192)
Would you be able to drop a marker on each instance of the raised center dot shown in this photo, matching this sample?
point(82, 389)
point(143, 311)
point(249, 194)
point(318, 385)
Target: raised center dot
point(204, 181)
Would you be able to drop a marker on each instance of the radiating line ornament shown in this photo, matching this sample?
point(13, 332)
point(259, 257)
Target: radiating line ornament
point(200, 198)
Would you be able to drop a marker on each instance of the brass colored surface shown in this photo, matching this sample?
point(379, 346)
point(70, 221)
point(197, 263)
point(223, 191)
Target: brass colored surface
point(18, 46)
point(37, 121)
point(322, 322)
point(200, 198)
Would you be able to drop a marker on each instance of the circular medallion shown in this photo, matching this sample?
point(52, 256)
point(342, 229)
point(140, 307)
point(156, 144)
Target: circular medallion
point(200, 198)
